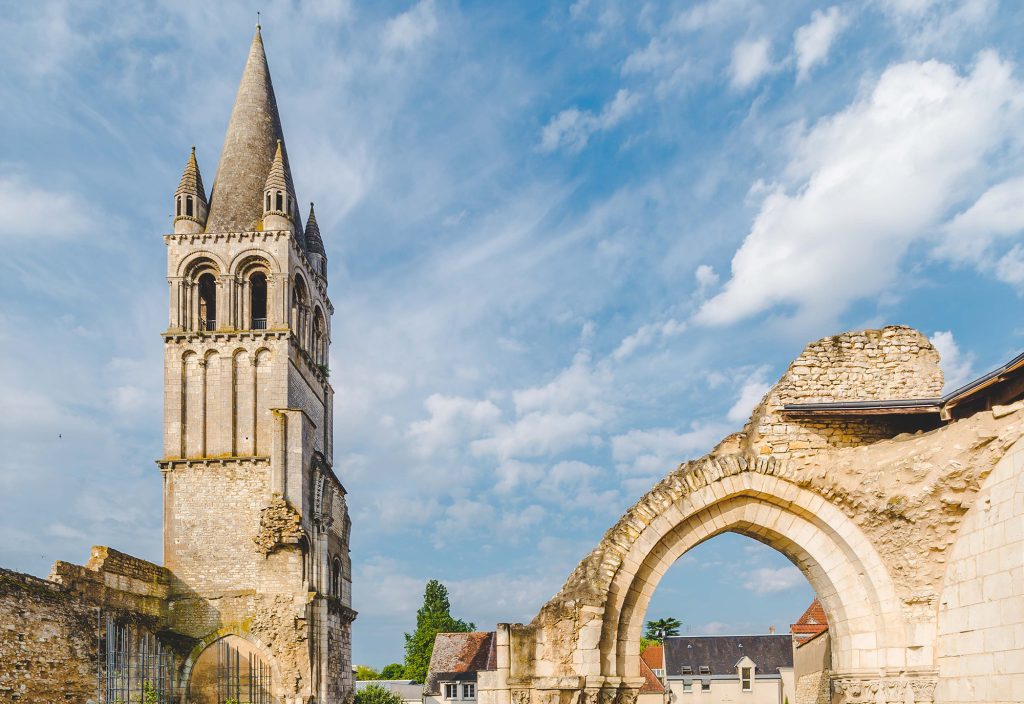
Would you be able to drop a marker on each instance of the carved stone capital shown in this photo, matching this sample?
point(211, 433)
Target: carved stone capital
point(884, 690)
point(520, 696)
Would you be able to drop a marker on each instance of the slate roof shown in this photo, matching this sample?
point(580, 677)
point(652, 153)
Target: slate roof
point(721, 653)
point(457, 657)
point(236, 203)
point(812, 623)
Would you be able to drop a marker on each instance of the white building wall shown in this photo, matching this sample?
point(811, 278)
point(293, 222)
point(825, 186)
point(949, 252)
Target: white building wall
point(764, 691)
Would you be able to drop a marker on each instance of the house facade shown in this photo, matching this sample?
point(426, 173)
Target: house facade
point(455, 662)
point(719, 669)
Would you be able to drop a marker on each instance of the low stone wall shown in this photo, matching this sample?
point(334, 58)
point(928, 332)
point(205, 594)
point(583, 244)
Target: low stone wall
point(48, 641)
point(50, 629)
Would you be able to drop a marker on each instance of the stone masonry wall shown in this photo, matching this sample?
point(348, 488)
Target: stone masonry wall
point(893, 363)
point(47, 642)
point(981, 606)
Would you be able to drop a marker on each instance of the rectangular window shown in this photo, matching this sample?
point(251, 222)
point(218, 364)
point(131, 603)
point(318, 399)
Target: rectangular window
point(687, 686)
point(451, 691)
point(705, 670)
point(469, 691)
point(658, 672)
point(687, 670)
point(705, 685)
point(747, 679)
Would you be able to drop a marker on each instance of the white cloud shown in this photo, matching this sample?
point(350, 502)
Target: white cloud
point(46, 215)
point(647, 335)
point(814, 40)
point(451, 419)
point(750, 61)
point(706, 278)
point(751, 393)
point(769, 580)
point(657, 451)
point(572, 128)
point(957, 367)
point(865, 183)
point(410, 29)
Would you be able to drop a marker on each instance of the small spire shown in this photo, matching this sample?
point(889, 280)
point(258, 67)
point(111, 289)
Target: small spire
point(314, 243)
point(277, 179)
point(191, 179)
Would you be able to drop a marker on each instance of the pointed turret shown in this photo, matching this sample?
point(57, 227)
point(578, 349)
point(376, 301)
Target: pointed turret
point(190, 206)
point(315, 244)
point(253, 138)
point(279, 209)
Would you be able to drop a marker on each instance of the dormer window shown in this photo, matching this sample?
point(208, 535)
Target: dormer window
point(705, 670)
point(451, 690)
point(469, 691)
point(687, 670)
point(747, 679)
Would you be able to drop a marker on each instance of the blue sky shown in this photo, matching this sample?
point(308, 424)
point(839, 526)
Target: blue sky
point(570, 245)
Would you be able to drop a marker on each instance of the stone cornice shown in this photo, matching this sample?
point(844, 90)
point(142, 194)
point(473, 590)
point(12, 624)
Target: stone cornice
point(170, 463)
point(223, 335)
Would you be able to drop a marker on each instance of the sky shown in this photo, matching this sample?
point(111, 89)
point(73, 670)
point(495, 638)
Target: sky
point(570, 246)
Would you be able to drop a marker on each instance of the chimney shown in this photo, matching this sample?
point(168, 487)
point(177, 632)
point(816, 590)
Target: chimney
point(771, 630)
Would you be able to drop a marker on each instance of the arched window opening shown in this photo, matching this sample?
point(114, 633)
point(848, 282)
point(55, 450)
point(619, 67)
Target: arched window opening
point(336, 577)
point(280, 201)
point(258, 300)
point(177, 209)
point(319, 348)
point(266, 208)
point(299, 310)
point(188, 206)
point(207, 302)
point(735, 585)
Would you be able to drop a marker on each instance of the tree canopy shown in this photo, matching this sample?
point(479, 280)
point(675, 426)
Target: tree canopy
point(432, 618)
point(365, 672)
point(657, 630)
point(394, 671)
point(376, 694)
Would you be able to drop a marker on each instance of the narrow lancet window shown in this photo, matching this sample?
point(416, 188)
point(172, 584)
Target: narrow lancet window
point(177, 210)
point(188, 206)
point(280, 201)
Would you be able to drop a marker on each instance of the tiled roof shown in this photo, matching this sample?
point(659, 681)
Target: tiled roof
point(236, 203)
point(813, 622)
point(457, 657)
point(652, 685)
point(721, 653)
point(654, 656)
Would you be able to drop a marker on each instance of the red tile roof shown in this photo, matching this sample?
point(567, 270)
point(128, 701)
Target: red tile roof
point(459, 656)
point(812, 623)
point(652, 685)
point(654, 656)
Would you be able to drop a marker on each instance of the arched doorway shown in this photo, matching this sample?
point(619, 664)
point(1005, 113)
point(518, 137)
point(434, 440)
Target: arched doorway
point(231, 670)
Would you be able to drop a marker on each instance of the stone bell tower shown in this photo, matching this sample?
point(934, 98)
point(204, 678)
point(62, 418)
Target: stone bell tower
point(256, 527)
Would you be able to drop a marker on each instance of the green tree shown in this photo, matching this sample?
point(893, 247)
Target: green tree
point(365, 672)
point(433, 617)
point(376, 694)
point(394, 671)
point(657, 630)
point(646, 643)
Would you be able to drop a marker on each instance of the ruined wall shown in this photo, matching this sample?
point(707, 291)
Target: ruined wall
point(49, 629)
point(893, 363)
point(811, 662)
point(981, 607)
point(48, 641)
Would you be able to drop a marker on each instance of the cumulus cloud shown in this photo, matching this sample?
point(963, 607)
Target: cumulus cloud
point(769, 580)
point(957, 367)
point(657, 451)
point(864, 184)
point(53, 216)
point(572, 128)
point(751, 60)
point(451, 418)
point(813, 41)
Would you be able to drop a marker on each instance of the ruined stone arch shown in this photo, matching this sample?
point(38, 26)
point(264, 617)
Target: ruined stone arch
point(733, 494)
point(210, 640)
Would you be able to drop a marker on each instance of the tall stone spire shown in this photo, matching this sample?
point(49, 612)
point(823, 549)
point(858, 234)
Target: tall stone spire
point(249, 147)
